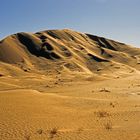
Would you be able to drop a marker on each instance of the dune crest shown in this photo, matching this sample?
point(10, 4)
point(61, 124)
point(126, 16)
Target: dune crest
point(68, 51)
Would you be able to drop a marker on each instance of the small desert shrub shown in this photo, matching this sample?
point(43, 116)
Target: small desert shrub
point(53, 132)
point(112, 104)
point(102, 114)
point(104, 90)
point(108, 126)
point(40, 131)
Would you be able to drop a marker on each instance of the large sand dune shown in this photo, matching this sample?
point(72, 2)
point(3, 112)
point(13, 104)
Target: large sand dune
point(68, 51)
point(66, 85)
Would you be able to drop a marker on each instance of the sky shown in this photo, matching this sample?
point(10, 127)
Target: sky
point(114, 19)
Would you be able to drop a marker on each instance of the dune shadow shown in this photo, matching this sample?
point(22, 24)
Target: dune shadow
point(47, 46)
point(97, 59)
point(101, 42)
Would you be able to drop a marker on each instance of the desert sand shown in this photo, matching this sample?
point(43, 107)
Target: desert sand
point(66, 85)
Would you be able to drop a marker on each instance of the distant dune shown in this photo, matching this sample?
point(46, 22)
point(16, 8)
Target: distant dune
point(68, 51)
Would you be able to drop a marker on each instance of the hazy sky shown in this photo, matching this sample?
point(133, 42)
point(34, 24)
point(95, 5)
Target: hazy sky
point(115, 19)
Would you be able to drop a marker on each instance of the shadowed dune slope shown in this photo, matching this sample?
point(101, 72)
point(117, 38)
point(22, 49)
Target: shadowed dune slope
point(68, 51)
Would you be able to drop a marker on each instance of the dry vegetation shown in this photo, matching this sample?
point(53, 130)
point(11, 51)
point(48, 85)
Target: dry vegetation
point(108, 126)
point(102, 114)
point(104, 90)
point(53, 132)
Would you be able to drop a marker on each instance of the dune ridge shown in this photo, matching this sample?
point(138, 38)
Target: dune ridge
point(68, 51)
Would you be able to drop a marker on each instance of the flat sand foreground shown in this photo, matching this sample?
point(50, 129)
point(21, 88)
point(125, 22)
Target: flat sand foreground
point(82, 110)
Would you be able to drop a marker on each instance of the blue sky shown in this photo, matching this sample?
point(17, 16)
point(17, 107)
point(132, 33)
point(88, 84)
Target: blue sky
point(115, 19)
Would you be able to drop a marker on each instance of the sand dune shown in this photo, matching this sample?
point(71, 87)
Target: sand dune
point(70, 51)
point(66, 85)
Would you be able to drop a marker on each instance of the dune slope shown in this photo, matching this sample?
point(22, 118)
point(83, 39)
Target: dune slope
point(68, 51)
